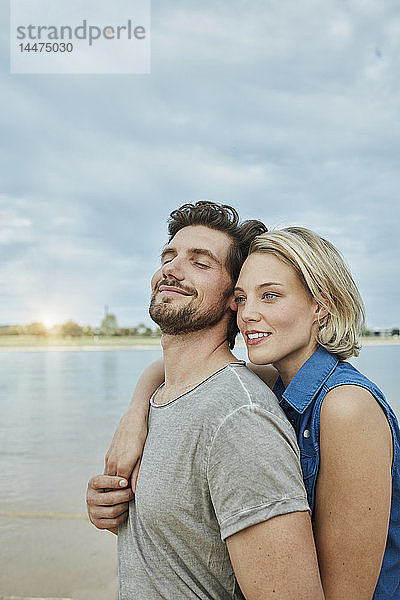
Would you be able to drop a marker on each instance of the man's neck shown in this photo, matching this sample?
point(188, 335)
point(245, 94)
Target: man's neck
point(189, 359)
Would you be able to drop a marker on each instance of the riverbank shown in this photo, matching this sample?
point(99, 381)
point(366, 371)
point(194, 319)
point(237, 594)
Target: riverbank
point(377, 341)
point(56, 343)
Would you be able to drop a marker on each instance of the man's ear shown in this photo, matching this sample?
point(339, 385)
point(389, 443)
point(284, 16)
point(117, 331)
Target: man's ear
point(233, 305)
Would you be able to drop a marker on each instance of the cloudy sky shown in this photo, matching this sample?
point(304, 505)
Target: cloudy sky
point(287, 110)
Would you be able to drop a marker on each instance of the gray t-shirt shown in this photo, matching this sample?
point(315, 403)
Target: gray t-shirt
point(218, 459)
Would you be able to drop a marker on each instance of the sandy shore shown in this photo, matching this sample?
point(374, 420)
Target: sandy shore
point(64, 558)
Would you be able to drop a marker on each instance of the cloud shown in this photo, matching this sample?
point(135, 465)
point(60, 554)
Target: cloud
point(284, 110)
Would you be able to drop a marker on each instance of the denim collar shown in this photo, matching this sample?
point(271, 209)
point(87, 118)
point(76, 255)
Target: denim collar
point(308, 380)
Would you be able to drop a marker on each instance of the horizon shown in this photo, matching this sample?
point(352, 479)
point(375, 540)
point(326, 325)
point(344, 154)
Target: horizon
point(153, 326)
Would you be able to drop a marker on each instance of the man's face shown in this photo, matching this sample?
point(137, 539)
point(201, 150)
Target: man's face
point(192, 289)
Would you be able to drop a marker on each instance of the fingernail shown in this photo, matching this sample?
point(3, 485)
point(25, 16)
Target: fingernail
point(123, 483)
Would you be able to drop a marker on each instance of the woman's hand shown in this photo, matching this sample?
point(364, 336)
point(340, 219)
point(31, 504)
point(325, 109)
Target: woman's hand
point(107, 500)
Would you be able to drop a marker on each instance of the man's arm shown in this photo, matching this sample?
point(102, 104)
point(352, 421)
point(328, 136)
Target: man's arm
point(123, 456)
point(277, 559)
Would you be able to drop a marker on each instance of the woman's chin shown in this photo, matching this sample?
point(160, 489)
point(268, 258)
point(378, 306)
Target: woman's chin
point(257, 356)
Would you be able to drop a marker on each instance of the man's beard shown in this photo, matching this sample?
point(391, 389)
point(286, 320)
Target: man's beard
point(187, 319)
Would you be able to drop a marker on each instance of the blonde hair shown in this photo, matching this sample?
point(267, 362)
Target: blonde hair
point(325, 275)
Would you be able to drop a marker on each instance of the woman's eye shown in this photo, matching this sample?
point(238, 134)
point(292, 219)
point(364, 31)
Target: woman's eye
point(202, 265)
point(240, 299)
point(269, 296)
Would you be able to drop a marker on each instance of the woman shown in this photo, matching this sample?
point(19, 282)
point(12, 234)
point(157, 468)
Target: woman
point(300, 311)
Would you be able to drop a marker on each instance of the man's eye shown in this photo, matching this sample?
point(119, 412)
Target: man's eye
point(240, 299)
point(269, 296)
point(202, 265)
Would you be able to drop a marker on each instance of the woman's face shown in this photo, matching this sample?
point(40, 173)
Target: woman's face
point(276, 314)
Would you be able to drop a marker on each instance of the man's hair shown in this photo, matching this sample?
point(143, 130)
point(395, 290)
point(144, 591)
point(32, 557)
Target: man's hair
point(325, 275)
point(220, 217)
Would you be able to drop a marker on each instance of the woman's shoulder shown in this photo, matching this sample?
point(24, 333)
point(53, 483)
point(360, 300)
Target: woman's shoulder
point(350, 395)
point(346, 374)
point(267, 373)
point(354, 404)
point(353, 426)
point(350, 403)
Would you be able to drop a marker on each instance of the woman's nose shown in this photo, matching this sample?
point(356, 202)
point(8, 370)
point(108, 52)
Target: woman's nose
point(248, 312)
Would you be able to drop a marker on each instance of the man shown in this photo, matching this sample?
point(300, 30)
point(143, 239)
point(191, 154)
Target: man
point(220, 501)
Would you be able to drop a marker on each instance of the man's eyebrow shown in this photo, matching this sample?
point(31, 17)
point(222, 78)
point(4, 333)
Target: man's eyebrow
point(167, 250)
point(205, 252)
point(194, 251)
point(260, 286)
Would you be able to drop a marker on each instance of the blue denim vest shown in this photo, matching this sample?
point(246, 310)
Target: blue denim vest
point(302, 401)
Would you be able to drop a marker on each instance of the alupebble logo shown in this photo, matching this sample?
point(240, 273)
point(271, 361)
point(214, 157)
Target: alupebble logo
point(85, 31)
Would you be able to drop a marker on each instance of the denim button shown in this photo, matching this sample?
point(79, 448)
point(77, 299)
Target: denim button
point(307, 433)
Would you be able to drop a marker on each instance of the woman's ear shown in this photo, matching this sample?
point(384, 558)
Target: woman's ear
point(320, 312)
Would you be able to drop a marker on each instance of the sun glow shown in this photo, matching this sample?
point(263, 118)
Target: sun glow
point(49, 320)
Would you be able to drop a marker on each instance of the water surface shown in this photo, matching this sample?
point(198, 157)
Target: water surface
point(59, 410)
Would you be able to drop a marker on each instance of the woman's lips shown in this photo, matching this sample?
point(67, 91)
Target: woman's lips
point(256, 337)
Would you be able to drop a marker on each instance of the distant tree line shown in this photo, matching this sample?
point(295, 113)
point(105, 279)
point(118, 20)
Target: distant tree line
point(108, 327)
point(389, 332)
